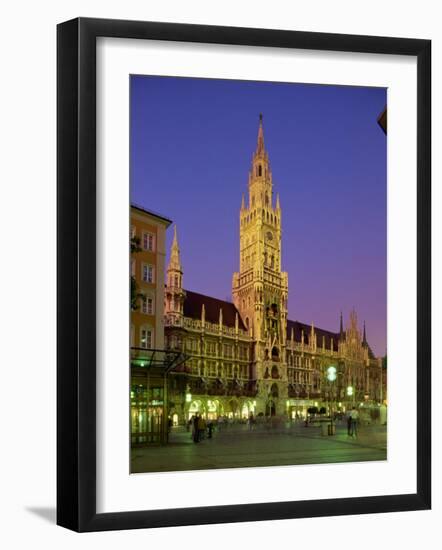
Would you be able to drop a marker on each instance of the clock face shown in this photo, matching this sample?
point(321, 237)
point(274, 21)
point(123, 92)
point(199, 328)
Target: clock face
point(269, 235)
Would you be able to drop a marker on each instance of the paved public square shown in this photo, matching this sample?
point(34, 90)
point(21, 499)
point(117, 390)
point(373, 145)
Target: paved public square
point(237, 446)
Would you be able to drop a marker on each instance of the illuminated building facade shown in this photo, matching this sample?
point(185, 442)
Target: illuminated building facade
point(246, 357)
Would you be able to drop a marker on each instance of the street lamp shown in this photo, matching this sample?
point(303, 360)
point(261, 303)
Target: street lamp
point(331, 377)
point(331, 374)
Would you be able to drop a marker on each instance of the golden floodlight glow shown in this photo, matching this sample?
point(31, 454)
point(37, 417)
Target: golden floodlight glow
point(331, 373)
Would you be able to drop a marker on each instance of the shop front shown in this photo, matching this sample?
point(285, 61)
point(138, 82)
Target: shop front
point(149, 395)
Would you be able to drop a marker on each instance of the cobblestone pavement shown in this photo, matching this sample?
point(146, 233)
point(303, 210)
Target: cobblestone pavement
point(239, 447)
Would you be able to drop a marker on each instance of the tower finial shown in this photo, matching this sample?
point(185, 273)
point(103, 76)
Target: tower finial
point(364, 339)
point(341, 328)
point(260, 144)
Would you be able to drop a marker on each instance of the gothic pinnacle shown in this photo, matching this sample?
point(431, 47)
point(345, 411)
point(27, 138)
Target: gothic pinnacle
point(174, 262)
point(260, 145)
point(278, 206)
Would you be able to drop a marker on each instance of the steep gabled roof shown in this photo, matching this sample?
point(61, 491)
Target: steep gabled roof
point(298, 327)
point(194, 302)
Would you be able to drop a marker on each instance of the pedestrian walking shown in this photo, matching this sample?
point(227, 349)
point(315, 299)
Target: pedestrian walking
point(349, 423)
point(196, 428)
point(353, 417)
point(251, 421)
point(202, 428)
point(354, 422)
point(210, 429)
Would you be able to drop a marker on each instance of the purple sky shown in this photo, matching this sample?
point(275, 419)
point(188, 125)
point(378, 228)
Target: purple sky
point(191, 147)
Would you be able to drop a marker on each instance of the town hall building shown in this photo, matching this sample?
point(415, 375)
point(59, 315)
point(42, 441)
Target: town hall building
point(246, 357)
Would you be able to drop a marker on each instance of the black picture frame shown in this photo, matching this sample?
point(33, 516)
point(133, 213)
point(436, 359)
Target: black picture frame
point(76, 274)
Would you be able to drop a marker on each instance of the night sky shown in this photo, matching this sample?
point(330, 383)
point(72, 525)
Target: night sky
point(191, 147)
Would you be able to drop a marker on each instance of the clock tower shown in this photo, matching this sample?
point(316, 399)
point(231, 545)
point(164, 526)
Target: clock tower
point(260, 288)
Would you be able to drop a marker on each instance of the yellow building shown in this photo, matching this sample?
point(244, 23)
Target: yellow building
point(148, 253)
point(149, 367)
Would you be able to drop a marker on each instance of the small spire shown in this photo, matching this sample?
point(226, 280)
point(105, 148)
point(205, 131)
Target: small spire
point(175, 260)
point(278, 206)
point(243, 204)
point(203, 313)
point(220, 317)
point(364, 339)
point(341, 328)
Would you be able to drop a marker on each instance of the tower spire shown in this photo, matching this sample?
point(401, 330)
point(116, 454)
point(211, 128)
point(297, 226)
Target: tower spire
point(260, 143)
point(175, 260)
point(364, 339)
point(341, 328)
point(175, 295)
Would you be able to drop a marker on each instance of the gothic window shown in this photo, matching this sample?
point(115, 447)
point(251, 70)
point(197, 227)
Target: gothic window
point(267, 202)
point(253, 200)
point(259, 170)
point(176, 280)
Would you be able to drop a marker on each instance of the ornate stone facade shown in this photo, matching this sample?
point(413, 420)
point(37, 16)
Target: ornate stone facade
point(247, 357)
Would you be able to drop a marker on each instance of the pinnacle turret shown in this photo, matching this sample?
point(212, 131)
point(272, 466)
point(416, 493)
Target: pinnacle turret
point(175, 260)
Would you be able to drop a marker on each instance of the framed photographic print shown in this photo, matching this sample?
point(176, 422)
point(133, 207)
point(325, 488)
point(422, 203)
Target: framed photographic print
point(243, 274)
